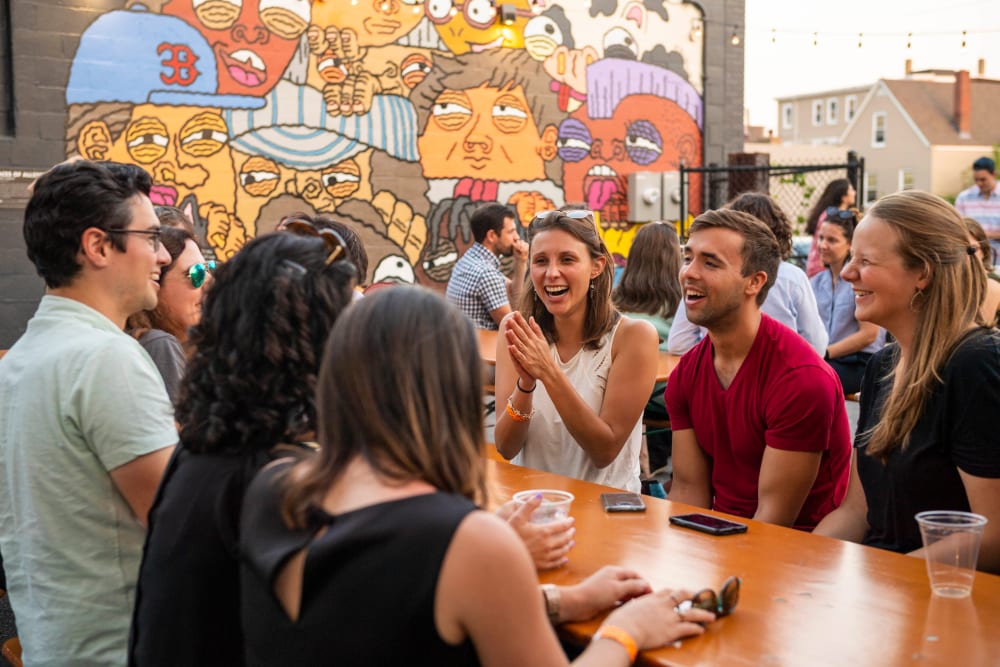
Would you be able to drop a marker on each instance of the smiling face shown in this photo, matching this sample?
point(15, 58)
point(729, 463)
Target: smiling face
point(711, 277)
point(137, 270)
point(833, 245)
point(561, 271)
point(253, 40)
point(645, 133)
point(180, 301)
point(473, 25)
point(883, 285)
point(486, 133)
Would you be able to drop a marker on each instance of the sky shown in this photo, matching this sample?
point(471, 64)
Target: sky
point(791, 65)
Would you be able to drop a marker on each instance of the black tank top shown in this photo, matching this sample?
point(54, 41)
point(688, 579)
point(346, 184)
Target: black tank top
point(368, 585)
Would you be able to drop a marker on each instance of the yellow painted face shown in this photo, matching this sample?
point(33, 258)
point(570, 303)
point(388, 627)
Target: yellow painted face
point(478, 25)
point(185, 149)
point(484, 132)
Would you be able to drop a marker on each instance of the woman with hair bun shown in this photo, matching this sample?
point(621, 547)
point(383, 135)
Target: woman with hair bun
point(930, 401)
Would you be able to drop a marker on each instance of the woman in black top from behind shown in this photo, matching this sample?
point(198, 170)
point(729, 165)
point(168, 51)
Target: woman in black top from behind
point(247, 395)
point(373, 552)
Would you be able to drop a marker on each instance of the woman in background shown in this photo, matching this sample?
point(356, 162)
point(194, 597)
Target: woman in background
point(852, 342)
point(373, 552)
point(163, 331)
point(576, 372)
point(839, 194)
point(990, 309)
point(930, 401)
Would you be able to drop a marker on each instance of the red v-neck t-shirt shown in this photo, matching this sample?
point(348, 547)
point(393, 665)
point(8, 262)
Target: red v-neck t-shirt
point(783, 396)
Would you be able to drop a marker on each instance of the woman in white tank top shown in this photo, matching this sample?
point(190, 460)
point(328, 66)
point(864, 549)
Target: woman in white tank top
point(577, 373)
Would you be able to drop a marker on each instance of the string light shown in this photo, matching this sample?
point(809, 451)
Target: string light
point(696, 30)
point(735, 39)
point(815, 38)
point(774, 39)
point(963, 39)
point(909, 40)
point(859, 40)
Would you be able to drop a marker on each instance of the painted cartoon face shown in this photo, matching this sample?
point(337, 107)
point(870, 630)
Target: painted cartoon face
point(645, 133)
point(253, 40)
point(261, 179)
point(473, 25)
point(185, 149)
point(549, 43)
point(376, 22)
point(484, 132)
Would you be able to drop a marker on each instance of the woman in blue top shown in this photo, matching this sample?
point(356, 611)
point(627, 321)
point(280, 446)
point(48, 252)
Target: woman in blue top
point(852, 342)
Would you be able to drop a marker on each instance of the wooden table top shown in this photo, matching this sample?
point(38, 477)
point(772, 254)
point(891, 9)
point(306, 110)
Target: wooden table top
point(805, 599)
point(488, 353)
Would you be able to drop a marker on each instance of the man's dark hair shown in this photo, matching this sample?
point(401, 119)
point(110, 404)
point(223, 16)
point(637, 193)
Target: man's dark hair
point(71, 198)
point(760, 247)
point(489, 217)
point(985, 164)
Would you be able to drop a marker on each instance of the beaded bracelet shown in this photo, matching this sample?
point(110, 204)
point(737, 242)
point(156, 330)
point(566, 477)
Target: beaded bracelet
point(616, 634)
point(517, 415)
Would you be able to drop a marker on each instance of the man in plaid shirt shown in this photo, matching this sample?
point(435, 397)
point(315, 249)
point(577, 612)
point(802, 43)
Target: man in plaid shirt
point(477, 286)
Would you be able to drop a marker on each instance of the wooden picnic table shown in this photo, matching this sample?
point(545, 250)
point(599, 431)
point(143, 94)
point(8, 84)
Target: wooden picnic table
point(805, 599)
point(488, 352)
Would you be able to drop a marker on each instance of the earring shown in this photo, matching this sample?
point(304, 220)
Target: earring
point(918, 295)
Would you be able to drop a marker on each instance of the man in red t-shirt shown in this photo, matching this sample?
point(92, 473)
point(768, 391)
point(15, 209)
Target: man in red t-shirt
point(759, 425)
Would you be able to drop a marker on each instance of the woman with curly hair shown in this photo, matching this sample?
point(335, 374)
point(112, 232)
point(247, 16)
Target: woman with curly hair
point(246, 398)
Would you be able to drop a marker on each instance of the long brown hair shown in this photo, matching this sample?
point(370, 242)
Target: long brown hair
point(650, 282)
point(400, 387)
point(601, 312)
point(931, 238)
point(174, 239)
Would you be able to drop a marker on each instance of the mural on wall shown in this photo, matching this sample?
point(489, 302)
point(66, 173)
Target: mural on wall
point(396, 117)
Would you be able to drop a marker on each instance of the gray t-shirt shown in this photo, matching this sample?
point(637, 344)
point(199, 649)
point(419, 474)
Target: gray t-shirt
point(78, 398)
point(166, 352)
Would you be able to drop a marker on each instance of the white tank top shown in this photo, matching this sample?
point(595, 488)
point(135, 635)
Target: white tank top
point(550, 447)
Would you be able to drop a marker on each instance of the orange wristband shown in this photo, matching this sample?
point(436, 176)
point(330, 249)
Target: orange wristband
point(517, 415)
point(616, 634)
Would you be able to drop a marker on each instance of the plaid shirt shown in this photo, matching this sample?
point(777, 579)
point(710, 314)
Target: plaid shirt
point(477, 287)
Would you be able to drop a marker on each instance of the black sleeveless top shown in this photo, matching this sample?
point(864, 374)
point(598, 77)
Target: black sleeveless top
point(368, 585)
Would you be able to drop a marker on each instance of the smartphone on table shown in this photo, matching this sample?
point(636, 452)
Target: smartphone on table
point(705, 523)
point(622, 502)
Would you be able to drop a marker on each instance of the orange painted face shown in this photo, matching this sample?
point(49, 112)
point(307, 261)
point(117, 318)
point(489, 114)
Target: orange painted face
point(376, 22)
point(484, 132)
point(253, 40)
point(473, 25)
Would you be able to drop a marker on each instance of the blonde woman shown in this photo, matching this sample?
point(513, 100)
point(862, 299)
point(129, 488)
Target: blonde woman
point(930, 402)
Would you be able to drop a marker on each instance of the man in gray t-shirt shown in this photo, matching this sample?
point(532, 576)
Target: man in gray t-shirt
point(86, 429)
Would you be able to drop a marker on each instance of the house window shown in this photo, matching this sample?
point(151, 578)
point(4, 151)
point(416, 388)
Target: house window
point(906, 179)
point(817, 114)
point(832, 107)
point(786, 116)
point(852, 107)
point(878, 129)
point(871, 187)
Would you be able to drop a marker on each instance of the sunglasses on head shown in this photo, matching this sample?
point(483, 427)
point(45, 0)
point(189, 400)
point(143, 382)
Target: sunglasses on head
point(721, 604)
point(199, 272)
point(575, 213)
point(335, 245)
point(843, 214)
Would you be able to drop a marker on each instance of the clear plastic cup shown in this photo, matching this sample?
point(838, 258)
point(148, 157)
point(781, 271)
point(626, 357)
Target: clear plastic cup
point(555, 504)
point(951, 549)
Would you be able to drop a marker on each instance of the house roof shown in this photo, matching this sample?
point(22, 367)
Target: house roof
point(931, 107)
point(825, 93)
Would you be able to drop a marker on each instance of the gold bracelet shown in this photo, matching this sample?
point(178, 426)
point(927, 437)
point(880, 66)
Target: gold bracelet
point(616, 634)
point(517, 415)
point(552, 602)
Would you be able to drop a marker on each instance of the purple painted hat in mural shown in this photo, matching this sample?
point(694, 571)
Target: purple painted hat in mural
point(610, 80)
point(138, 57)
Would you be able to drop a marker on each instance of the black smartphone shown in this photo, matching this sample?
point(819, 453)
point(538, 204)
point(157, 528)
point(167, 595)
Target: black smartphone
point(623, 502)
point(712, 525)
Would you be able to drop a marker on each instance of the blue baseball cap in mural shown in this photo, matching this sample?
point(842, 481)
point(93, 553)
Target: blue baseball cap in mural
point(138, 57)
point(295, 129)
